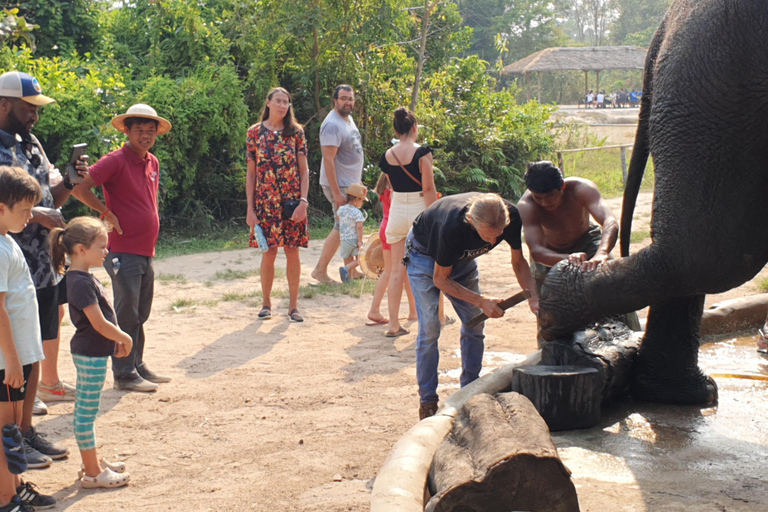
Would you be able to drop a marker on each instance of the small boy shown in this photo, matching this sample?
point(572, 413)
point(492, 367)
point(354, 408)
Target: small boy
point(20, 338)
point(351, 228)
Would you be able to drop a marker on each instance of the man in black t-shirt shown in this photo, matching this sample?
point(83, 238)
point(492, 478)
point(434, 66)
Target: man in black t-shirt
point(443, 244)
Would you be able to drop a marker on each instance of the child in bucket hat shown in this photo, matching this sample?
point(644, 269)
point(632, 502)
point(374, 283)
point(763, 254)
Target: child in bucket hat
point(351, 221)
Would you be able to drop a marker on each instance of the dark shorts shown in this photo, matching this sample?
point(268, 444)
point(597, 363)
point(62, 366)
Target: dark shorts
point(48, 301)
point(17, 395)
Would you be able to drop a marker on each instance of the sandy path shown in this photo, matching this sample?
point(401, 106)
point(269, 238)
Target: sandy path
point(272, 416)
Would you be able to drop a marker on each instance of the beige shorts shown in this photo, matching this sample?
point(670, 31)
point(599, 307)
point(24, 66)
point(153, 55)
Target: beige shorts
point(406, 206)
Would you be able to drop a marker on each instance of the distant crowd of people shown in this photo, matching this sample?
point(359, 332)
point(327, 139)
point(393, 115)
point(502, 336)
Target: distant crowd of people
point(618, 98)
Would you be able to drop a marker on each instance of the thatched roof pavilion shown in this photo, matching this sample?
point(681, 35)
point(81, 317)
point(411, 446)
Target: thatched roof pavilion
point(586, 59)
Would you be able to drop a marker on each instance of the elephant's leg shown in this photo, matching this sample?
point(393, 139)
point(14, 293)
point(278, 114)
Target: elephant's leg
point(667, 368)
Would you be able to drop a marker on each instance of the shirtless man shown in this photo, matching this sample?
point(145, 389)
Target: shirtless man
point(556, 220)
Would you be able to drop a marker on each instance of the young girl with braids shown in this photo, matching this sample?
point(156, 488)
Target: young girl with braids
point(97, 337)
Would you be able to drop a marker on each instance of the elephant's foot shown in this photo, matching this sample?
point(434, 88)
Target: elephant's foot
point(681, 388)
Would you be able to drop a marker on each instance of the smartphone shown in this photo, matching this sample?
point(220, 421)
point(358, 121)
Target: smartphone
point(78, 150)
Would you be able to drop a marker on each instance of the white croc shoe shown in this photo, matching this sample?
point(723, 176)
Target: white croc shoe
point(117, 467)
point(107, 479)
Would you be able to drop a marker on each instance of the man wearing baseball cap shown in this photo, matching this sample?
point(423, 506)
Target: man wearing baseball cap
point(20, 99)
point(130, 177)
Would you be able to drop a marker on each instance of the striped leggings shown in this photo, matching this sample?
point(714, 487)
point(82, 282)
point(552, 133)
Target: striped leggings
point(91, 375)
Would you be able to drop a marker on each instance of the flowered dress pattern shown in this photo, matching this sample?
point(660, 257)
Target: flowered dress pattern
point(277, 180)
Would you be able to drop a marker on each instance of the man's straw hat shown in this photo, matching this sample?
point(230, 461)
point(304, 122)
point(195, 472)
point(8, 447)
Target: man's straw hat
point(372, 257)
point(145, 111)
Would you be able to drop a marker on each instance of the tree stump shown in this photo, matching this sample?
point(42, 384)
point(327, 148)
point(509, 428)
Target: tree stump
point(567, 397)
point(499, 457)
point(610, 348)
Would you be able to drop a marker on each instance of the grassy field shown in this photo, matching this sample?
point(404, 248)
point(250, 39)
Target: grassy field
point(604, 168)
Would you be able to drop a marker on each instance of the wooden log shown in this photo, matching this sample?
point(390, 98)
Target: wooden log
point(610, 348)
point(499, 457)
point(731, 316)
point(567, 397)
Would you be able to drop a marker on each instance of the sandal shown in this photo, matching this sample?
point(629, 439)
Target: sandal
point(400, 332)
point(449, 320)
point(117, 467)
point(106, 479)
point(295, 316)
point(265, 313)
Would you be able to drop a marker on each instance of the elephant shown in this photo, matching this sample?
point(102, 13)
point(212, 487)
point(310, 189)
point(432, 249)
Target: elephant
point(704, 121)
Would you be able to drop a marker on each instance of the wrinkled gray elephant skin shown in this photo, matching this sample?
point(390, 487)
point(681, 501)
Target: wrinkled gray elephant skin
point(704, 120)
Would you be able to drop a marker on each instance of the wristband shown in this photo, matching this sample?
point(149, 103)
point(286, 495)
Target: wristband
point(104, 214)
point(304, 199)
point(68, 184)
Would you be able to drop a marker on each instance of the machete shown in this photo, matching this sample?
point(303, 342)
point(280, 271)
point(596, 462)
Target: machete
point(504, 305)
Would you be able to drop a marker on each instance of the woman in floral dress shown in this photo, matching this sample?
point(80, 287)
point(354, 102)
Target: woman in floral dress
point(277, 172)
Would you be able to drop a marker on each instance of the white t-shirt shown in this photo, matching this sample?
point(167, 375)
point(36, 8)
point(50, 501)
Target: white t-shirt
point(20, 302)
point(349, 216)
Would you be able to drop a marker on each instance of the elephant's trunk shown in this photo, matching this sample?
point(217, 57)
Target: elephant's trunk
point(571, 299)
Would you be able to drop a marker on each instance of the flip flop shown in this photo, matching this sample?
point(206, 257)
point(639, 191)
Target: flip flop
point(400, 332)
point(265, 313)
point(449, 320)
point(373, 323)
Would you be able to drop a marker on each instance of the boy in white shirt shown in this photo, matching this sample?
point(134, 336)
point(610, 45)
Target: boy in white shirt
point(351, 221)
point(21, 344)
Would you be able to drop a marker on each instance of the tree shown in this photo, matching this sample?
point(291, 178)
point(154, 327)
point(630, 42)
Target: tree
point(14, 28)
point(590, 20)
point(524, 27)
point(63, 25)
point(637, 20)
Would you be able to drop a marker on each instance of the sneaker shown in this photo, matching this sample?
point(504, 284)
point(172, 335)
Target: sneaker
point(35, 459)
point(427, 409)
point(16, 505)
point(29, 494)
point(38, 441)
point(61, 392)
point(151, 376)
point(134, 382)
point(344, 274)
point(40, 409)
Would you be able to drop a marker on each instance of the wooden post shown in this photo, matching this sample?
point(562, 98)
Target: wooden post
point(560, 161)
point(597, 85)
point(527, 88)
point(624, 165)
point(567, 397)
point(586, 84)
point(538, 78)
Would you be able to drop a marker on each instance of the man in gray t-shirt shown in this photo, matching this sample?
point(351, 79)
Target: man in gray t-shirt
point(342, 166)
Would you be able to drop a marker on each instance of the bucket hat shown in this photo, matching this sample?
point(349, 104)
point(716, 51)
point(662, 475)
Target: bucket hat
point(145, 111)
point(15, 84)
point(358, 190)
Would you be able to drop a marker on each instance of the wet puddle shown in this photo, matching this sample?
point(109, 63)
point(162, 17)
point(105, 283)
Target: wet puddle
point(661, 458)
point(655, 458)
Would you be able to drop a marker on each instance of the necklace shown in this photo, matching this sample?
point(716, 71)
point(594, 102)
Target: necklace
point(271, 128)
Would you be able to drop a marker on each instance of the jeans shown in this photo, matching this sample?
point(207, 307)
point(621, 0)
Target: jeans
point(133, 285)
point(420, 272)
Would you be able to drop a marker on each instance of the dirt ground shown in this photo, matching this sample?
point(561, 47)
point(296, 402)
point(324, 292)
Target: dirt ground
point(276, 416)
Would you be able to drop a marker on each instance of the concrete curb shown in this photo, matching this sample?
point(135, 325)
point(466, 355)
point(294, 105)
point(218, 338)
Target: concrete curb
point(401, 483)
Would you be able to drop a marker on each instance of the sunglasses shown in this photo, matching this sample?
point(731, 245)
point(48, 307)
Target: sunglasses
point(27, 146)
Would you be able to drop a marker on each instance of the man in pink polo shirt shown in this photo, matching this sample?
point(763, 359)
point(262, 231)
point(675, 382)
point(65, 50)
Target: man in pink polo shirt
point(130, 178)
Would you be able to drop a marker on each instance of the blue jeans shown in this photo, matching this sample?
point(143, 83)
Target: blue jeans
point(420, 272)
